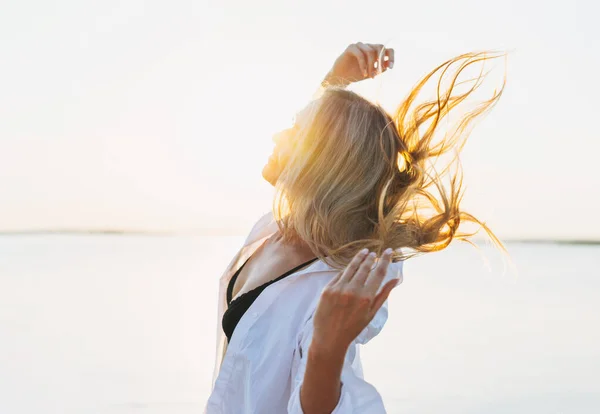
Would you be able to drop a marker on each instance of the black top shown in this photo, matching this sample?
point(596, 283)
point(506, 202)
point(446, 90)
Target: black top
point(237, 308)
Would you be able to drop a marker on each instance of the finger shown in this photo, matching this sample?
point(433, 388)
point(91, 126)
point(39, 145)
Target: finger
point(379, 57)
point(334, 279)
point(353, 266)
point(355, 51)
point(389, 64)
point(383, 295)
point(360, 278)
point(369, 54)
point(363, 270)
point(373, 282)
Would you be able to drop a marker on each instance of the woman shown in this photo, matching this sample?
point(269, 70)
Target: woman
point(353, 184)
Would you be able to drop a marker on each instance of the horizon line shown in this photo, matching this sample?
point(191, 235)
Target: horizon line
point(232, 232)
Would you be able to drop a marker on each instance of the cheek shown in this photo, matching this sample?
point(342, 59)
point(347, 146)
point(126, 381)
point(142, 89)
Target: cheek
point(283, 157)
point(285, 152)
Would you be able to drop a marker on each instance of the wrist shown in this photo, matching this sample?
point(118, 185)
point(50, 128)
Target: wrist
point(332, 80)
point(324, 349)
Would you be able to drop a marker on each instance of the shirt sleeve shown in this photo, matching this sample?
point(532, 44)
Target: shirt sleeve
point(357, 395)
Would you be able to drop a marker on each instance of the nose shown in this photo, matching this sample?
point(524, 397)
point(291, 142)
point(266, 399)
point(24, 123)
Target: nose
point(278, 136)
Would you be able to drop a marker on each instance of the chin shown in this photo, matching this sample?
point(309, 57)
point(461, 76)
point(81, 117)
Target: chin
point(271, 173)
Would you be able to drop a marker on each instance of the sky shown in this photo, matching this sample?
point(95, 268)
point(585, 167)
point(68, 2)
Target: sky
point(158, 116)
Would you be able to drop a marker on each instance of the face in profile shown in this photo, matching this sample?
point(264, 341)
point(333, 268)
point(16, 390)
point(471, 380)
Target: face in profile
point(285, 143)
point(278, 159)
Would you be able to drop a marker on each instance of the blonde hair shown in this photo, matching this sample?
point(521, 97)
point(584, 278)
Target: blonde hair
point(360, 177)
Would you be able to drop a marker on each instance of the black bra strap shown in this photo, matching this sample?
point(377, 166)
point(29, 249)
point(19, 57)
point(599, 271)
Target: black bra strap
point(289, 272)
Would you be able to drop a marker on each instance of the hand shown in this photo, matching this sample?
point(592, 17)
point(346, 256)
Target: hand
point(358, 62)
point(350, 301)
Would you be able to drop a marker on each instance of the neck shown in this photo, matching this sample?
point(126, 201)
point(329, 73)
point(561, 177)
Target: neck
point(294, 243)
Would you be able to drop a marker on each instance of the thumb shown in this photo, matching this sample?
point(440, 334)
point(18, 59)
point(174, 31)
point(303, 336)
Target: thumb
point(383, 295)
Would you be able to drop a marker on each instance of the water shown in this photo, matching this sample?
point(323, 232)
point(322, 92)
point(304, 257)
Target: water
point(126, 324)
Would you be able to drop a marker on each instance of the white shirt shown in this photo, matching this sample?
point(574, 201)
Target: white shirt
point(262, 368)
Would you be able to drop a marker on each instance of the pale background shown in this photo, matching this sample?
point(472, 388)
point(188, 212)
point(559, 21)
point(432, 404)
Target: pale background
point(148, 115)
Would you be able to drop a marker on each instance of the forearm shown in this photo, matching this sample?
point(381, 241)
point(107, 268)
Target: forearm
point(322, 385)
